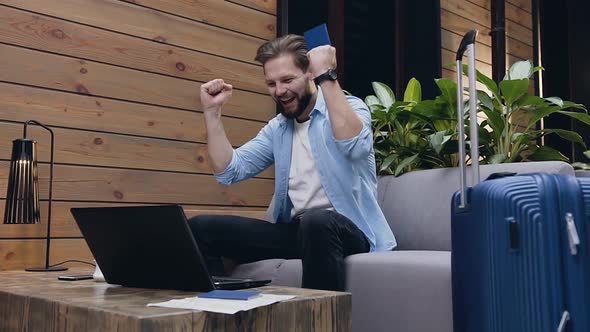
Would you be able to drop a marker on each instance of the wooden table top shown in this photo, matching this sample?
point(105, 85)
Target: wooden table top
point(38, 301)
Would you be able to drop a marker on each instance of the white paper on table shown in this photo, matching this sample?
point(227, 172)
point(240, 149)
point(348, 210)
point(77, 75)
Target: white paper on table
point(221, 305)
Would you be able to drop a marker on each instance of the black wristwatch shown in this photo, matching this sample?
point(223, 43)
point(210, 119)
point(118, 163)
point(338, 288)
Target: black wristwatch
point(329, 75)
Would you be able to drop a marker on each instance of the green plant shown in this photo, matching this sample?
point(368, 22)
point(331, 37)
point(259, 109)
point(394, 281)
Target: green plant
point(412, 134)
point(583, 166)
point(501, 138)
point(415, 134)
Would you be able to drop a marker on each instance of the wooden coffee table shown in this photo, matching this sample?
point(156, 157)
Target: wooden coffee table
point(35, 301)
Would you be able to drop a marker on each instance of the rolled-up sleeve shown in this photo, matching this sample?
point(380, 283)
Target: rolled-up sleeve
point(359, 146)
point(249, 159)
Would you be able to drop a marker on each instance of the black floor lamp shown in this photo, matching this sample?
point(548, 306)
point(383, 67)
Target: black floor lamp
point(22, 194)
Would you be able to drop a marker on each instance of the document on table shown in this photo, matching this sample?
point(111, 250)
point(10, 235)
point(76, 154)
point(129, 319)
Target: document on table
point(221, 305)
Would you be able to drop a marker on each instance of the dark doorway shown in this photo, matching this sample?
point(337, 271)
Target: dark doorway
point(565, 54)
point(385, 41)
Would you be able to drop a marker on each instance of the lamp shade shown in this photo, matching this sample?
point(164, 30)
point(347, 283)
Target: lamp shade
point(22, 194)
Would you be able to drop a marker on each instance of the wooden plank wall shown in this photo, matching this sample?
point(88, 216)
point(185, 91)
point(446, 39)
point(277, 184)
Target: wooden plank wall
point(118, 82)
point(460, 16)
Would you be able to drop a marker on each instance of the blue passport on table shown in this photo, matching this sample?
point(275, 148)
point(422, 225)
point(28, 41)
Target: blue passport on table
point(317, 36)
point(230, 294)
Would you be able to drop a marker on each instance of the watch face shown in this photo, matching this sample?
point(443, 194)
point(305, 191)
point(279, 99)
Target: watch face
point(332, 74)
point(329, 75)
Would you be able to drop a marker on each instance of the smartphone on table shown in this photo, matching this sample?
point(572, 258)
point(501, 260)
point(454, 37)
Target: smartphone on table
point(75, 277)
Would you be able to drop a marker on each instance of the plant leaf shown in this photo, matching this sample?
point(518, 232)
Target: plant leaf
point(372, 100)
point(541, 113)
point(384, 93)
point(387, 161)
point(495, 120)
point(587, 154)
point(428, 108)
point(569, 104)
point(566, 134)
point(546, 153)
point(497, 159)
point(555, 100)
point(537, 68)
point(438, 140)
point(581, 166)
point(521, 70)
point(406, 162)
point(413, 91)
point(448, 88)
point(483, 79)
point(527, 101)
point(584, 117)
point(485, 99)
point(512, 90)
point(379, 114)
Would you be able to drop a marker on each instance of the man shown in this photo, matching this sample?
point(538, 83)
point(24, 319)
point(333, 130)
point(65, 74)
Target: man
point(325, 182)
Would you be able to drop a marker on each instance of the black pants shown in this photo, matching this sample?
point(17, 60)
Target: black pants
point(320, 238)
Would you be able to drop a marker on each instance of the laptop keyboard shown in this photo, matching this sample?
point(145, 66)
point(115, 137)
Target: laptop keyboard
point(225, 279)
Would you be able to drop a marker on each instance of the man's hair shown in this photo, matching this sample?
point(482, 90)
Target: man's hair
point(286, 45)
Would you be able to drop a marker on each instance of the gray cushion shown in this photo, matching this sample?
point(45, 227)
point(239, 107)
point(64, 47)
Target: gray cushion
point(400, 291)
point(417, 205)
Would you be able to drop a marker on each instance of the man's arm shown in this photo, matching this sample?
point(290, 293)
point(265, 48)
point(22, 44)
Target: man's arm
point(213, 95)
point(345, 122)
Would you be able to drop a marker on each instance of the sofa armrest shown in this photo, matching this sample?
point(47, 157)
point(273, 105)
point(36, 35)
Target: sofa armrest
point(401, 291)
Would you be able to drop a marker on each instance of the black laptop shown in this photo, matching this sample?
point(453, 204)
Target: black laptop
point(149, 247)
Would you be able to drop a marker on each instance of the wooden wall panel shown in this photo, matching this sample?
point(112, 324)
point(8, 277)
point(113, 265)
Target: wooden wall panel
point(460, 16)
point(139, 186)
point(519, 15)
point(20, 254)
point(111, 150)
point(118, 82)
point(220, 13)
point(451, 40)
point(149, 24)
point(25, 29)
point(519, 32)
point(55, 108)
point(63, 224)
point(267, 6)
point(26, 66)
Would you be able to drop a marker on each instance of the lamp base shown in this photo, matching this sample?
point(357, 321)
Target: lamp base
point(46, 269)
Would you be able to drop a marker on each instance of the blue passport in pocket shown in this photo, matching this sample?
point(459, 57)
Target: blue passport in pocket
point(230, 294)
point(317, 36)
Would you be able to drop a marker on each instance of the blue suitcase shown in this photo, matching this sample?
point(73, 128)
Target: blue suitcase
point(519, 248)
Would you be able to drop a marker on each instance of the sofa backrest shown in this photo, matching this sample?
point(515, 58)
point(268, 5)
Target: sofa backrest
point(417, 205)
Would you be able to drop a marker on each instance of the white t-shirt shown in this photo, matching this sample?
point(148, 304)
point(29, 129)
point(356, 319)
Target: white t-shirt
point(305, 189)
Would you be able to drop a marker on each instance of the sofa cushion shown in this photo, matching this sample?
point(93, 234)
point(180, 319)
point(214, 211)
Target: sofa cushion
point(389, 289)
point(400, 291)
point(417, 205)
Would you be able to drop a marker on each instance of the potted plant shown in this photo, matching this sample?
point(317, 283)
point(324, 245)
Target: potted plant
point(418, 134)
point(501, 139)
point(412, 134)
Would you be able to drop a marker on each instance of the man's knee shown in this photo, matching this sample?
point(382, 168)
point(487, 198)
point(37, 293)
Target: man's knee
point(318, 223)
point(203, 223)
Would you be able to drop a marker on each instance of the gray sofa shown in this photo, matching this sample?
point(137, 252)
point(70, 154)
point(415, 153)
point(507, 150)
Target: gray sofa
point(409, 288)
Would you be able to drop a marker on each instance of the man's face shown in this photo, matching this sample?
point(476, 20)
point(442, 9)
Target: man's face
point(288, 85)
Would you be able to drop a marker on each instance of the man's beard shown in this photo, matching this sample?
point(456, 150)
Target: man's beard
point(302, 103)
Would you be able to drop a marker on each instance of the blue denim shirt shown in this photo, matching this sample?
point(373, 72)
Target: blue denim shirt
point(346, 168)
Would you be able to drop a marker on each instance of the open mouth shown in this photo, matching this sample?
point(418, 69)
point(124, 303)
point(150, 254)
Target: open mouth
point(288, 102)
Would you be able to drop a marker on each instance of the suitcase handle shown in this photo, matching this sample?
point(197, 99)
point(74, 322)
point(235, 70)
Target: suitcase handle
point(467, 44)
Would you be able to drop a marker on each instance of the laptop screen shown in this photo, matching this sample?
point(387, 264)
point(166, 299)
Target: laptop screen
point(144, 246)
